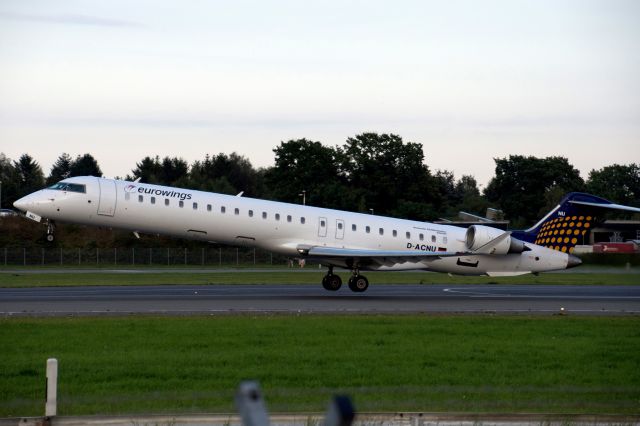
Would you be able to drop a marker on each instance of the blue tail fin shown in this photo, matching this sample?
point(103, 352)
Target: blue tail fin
point(569, 222)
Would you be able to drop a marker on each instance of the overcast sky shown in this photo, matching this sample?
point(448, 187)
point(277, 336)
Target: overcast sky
point(470, 80)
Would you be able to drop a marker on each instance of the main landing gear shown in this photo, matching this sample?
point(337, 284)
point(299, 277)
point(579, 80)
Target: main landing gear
point(51, 227)
point(357, 283)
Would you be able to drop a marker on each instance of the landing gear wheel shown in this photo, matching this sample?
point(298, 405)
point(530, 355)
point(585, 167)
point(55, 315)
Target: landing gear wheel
point(358, 283)
point(331, 282)
point(51, 227)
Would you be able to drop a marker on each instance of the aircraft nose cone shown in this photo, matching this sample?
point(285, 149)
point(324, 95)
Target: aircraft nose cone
point(573, 261)
point(21, 204)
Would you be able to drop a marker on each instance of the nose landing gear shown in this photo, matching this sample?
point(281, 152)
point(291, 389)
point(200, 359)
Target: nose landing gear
point(51, 227)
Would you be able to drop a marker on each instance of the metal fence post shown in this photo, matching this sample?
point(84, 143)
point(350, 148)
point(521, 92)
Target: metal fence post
point(185, 255)
point(42, 256)
point(150, 251)
point(237, 256)
point(168, 257)
point(60, 256)
point(115, 255)
point(271, 257)
point(220, 255)
point(97, 256)
point(24, 256)
point(203, 256)
point(5, 256)
point(254, 255)
point(133, 256)
point(79, 257)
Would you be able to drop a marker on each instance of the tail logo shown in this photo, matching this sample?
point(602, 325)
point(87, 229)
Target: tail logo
point(564, 232)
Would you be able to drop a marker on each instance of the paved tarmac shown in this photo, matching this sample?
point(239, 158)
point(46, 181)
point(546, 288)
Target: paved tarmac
point(224, 299)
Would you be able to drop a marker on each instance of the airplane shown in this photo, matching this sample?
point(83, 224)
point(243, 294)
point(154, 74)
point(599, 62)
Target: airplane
point(333, 238)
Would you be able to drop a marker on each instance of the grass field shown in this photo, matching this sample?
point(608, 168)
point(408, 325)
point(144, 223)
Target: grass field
point(387, 363)
point(58, 278)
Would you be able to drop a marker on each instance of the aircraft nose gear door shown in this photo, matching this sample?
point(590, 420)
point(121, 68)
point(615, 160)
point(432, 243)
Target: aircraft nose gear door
point(107, 203)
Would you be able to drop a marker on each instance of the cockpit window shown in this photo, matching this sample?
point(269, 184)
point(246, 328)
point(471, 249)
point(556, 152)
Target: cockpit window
point(70, 187)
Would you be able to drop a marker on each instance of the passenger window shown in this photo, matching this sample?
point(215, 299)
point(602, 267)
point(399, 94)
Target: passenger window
point(236, 211)
point(288, 218)
point(408, 235)
point(367, 229)
point(208, 207)
point(277, 216)
point(140, 198)
point(339, 225)
point(322, 223)
point(195, 206)
point(250, 213)
point(153, 200)
point(166, 201)
point(223, 209)
point(302, 220)
point(381, 231)
point(354, 227)
point(395, 233)
point(421, 237)
point(264, 215)
point(181, 204)
point(433, 238)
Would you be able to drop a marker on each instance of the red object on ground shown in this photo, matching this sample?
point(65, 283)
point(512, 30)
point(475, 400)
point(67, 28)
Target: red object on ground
point(614, 248)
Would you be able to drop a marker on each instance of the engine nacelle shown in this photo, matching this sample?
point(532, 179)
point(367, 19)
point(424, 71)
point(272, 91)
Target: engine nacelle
point(478, 235)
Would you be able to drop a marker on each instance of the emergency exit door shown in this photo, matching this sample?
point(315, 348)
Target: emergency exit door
point(108, 200)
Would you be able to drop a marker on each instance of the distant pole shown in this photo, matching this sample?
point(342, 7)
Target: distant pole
point(304, 197)
point(51, 405)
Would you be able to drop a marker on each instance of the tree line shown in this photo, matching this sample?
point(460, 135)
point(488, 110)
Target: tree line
point(370, 172)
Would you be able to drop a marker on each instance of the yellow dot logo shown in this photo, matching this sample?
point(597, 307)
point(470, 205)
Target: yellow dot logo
point(571, 250)
point(564, 249)
point(555, 232)
point(562, 232)
point(587, 225)
point(573, 218)
point(588, 218)
point(576, 232)
point(574, 240)
point(581, 218)
point(566, 240)
point(579, 224)
point(571, 225)
point(553, 240)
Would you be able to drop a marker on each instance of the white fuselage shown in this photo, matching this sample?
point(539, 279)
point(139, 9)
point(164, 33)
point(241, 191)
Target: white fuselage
point(275, 226)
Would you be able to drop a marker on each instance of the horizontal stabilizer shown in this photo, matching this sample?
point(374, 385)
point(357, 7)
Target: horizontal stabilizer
point(607, 206)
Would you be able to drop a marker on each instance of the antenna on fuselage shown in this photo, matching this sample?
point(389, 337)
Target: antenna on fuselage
point(239, 194)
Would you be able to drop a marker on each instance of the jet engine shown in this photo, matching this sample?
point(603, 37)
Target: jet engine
point(478, 236)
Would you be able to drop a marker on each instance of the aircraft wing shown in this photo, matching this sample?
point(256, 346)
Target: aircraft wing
point(380, 257)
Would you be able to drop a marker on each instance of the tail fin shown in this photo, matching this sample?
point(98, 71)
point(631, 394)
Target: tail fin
point(569, 222)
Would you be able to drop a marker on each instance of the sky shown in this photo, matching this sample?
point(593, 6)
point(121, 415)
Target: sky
point(469, 80)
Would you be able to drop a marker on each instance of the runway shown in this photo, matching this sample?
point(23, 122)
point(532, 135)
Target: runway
point(402, 299)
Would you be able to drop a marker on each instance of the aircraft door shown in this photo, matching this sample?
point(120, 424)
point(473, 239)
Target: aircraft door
point(108, 199)
point(339, 229)
point(322, 227)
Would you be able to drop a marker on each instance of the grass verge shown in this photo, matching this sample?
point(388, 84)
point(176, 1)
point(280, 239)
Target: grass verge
point(43, 279)
point(387, 363)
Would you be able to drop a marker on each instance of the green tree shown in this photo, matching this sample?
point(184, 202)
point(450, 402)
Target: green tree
point(618, 183)
point(10, 182)
point(389, 175)
point(304, 165)
point(60, 170)
point(85, 165)
point(29, 174)
point(148, 171)
point(225, 173)
point(527, 187)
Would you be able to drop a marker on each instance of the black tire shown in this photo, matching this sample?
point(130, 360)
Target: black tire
point(358, 284)
point(331, 282)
